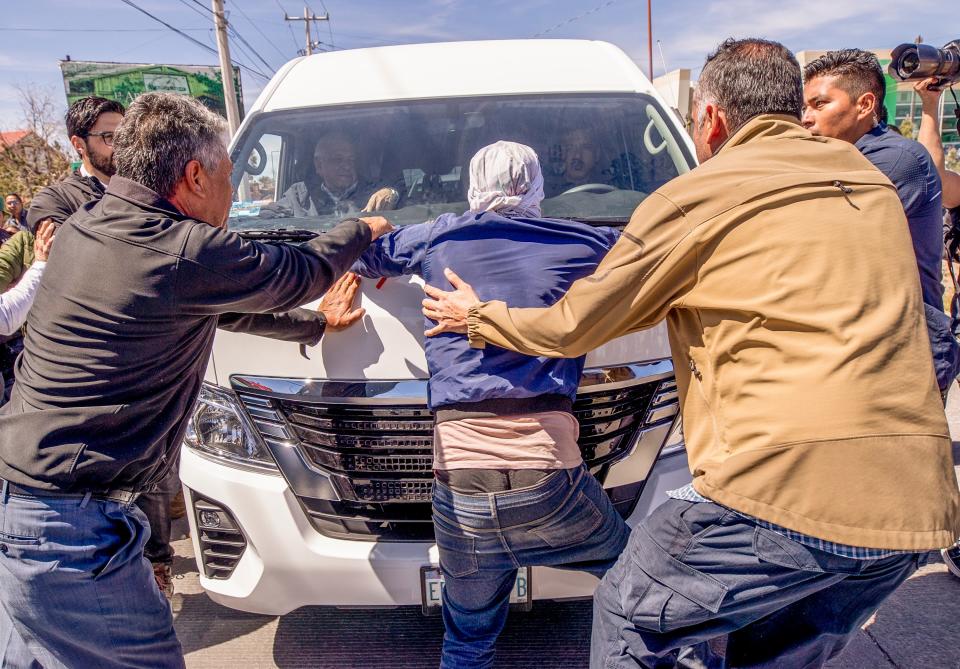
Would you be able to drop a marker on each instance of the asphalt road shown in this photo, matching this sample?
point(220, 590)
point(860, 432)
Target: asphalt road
point(916, 627)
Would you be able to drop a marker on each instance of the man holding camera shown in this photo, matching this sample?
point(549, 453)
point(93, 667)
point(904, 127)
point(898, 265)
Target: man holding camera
point(931, 139)
point(843, 98)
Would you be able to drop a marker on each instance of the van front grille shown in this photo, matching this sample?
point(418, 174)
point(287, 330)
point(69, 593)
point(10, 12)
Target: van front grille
point(375, 452)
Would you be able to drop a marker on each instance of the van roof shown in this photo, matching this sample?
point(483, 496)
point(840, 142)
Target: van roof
point(452, 69)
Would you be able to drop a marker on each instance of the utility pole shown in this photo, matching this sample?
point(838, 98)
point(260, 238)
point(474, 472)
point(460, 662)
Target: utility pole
point(650, 37)
point(226, 67)
point(307, 18)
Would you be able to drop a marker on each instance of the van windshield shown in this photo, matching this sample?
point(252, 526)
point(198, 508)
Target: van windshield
point(601, 155)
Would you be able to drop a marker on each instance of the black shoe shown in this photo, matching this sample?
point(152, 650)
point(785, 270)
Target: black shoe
point(951, 558)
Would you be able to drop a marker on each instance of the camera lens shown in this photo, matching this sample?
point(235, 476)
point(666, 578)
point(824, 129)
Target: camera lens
point(909, 63)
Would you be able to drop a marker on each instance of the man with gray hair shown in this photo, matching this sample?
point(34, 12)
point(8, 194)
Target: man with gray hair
point(511, 488)
point(110, 371)
point(820, 454)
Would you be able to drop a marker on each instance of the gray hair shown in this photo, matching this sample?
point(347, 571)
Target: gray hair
point(160, 134)
point(749, 77)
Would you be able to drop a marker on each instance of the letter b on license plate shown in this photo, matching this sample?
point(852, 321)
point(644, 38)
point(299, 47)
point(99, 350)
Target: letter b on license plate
point(431, 585)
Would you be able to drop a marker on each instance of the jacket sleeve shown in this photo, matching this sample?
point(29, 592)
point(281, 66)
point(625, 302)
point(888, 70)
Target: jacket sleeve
point(16, 302)
point(648, 270)
point(48, 203)
point(13, 258)
point(298, 325)
point(398, 253)
point(220, 272)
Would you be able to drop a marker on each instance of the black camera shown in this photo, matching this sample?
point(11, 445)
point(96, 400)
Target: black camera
point(913, 62)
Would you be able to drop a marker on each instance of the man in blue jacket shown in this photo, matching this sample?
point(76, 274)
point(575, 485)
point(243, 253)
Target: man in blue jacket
point(843, 95)
point(511, 488)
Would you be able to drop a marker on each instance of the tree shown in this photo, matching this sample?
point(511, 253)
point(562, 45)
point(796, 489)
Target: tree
point(41, 156)
point(952, 159)
point(908, 129)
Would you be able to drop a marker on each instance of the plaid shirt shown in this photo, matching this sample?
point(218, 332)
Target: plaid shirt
point(689, 494)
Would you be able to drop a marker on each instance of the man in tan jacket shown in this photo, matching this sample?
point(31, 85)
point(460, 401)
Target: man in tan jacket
point(821, 460)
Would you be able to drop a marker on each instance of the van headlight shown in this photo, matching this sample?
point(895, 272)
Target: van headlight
point(219, 427)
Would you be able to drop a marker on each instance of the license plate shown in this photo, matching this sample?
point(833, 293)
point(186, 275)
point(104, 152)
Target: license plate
point(431, 582)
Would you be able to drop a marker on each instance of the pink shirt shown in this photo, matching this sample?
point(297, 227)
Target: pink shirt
point(546, 440)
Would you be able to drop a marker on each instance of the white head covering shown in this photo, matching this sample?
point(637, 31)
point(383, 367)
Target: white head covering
point(505, 177)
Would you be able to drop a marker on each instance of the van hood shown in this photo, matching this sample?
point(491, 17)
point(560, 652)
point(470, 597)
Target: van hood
point(386, 345)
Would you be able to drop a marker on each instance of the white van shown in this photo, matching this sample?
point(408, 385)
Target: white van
point(307, 471)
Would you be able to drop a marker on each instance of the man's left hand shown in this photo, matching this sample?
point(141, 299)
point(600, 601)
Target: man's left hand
point(449, 309)
point(337, 304)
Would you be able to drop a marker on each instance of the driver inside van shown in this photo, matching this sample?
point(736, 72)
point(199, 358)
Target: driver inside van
point(576, 156)
point(334, 186)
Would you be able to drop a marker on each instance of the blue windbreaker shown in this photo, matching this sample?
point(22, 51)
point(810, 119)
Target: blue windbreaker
point(524, 262)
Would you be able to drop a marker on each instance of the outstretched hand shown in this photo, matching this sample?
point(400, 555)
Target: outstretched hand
point(378, 225)
point(449, 308)
point(337, 304)
point(43, 240)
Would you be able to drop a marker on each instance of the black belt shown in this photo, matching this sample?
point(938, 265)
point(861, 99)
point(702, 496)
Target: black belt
point(119, 496)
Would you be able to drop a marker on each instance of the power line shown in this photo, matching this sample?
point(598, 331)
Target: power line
point(247, 53)
point(309, 16)
point(329, 23)
point(577, 17)
point(96, 30)
point(208, 13)
point(189, 6)
point(296, 44)
point(203, 7)
point(249, 46)
point(200, 44)
point(257, 28)
point(174, 29)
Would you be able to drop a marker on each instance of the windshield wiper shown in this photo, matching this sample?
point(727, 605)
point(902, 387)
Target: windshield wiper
point(279, 235)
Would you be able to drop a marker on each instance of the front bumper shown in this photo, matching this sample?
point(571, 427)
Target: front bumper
point(287, 564)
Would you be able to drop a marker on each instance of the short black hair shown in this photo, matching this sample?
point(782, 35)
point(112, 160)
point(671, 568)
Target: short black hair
point(857, 72)
point(16, 195)
point(83, 114)
point(752, 76)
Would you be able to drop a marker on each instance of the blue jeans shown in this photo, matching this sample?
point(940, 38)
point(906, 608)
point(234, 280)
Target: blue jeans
point(566, 520)
point(75, 589)
point(694, 571)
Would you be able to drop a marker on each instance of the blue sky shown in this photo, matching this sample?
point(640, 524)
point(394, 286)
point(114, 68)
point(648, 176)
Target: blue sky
point(112, 31)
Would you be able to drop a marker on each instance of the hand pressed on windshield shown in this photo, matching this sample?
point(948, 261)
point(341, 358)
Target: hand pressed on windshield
point(337, 304)
point(449, 308)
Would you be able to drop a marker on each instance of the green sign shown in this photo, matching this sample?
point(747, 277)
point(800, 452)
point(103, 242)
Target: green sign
point(890, 99)
point(125, 81)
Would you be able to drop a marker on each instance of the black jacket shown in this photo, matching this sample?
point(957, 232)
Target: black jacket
point(60, 200)
point(121, 329)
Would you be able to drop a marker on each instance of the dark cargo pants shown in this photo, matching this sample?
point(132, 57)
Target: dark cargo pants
point(693, 571)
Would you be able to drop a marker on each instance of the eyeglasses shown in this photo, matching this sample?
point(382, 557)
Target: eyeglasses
point(107, 136)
